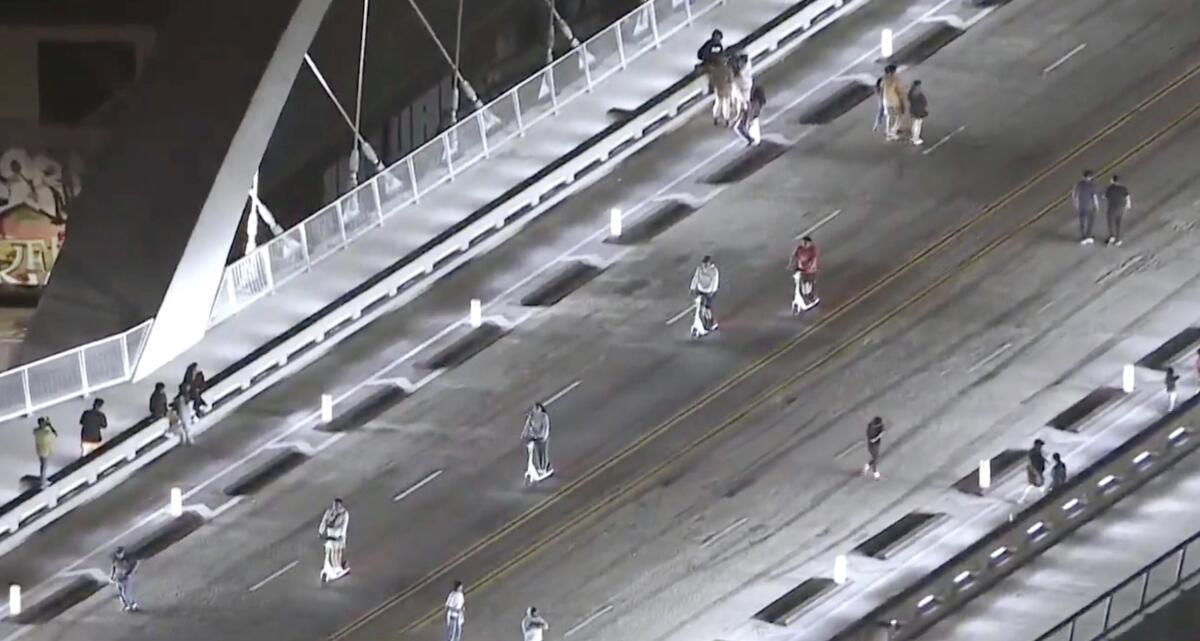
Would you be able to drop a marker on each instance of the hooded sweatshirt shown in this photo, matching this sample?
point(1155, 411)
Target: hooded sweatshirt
point(537, 426)
point(335, 523)
point(706, 279)
point(533, 625)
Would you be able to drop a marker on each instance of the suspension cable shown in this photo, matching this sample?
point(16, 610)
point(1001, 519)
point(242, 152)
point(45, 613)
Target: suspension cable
point(466, 86)
point(368, 151)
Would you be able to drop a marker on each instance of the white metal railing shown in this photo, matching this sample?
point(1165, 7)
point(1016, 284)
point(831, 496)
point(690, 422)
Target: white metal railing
point(73, 373)
point(439, 160)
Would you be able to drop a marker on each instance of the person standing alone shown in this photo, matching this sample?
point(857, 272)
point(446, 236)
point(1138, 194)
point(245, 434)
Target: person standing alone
point(536, 434)
point(1087, 201)
point(1170, 380)
point(533, 625)
point(1118, 200)
point(918, 109)
point(123, 567)
point(874, 441)
point(91, 423)
point(456, 603)
point(44, 437)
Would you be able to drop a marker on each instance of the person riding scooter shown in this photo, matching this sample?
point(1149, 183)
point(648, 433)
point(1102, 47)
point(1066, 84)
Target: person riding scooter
point(803, 264)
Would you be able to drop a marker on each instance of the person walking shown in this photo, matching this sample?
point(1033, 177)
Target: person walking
point(879, 111)
point(180, 415)
point(875, 431)
point(1119, 202)
point(334, 527)
point(748, 126)
point(712, 47)
point(456, 603)
point(706, 280)
point(158, 401)
point(894, 99)
point(1035, 470)
point(91, 424)
point(536, 435)
point(196, 388)
point(1170, 379)
point(533, 625)
point(1087, 201)
point(44, 437)
point(918, 108)
point(123, 567)
point(1058, 472)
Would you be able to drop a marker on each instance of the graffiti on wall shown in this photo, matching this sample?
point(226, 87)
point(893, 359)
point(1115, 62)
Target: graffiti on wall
point(35, 195)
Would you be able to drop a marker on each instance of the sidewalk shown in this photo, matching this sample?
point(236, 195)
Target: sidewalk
point(544, 142)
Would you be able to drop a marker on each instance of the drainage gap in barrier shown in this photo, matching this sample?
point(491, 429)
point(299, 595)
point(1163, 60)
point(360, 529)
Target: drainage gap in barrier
point(831, 105)
point(1002, 463)
point(617, 114)
point(464, 348)
point(788, 607)
point(925, 44)
point(165, 536)
point(76, 591)
point(365, 411)
point(1161, 358)
point(654, 223)
point(281, 463)
point(903, 531)
point(746, 164)
point(1070, 419)
point(569, 278)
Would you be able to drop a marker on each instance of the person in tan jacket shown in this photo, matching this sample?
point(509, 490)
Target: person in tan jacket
point(895, 101)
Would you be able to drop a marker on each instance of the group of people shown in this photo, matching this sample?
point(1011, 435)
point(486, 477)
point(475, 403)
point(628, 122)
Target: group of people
point(533, 624)
point(901, 109)
point(739, 101)
point(1086, 196)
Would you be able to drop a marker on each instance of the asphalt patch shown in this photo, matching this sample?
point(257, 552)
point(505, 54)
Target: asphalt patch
point(560, 284)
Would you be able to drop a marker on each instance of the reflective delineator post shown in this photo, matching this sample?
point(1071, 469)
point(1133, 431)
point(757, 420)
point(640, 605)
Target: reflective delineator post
point(614, 222)
point(326, 408)
point(985, 473)
point(839, 569)
point(176, 507)
point(885, 43)
point(476, 312)
point(14, 600)
point(1127, 379)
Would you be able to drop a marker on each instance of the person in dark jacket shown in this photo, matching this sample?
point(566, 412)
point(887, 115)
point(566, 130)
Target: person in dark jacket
point(197, 385)
point(1170, 380)
point(123, 567)
point(1035, 469)
point(711, 47)
point(918, 109)
point(158, 401)
point(91, 423)
point(748, 126)
point(875, 431)
point(1086, 199)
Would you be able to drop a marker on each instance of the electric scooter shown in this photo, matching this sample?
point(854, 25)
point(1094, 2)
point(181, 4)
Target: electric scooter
point(805, 297)
point(702, 320)
point(532, 474)
point(335, 568)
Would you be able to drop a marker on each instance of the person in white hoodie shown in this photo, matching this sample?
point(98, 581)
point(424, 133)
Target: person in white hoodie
point(335, 525)
point(533, 625)
point(537, 432)
point(705, 283)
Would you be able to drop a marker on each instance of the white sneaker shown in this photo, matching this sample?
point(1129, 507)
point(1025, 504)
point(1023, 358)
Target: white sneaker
point(1087, 241)
point(918, 142)
point(1118, 243)
point(876, 475)
point(1110, 241)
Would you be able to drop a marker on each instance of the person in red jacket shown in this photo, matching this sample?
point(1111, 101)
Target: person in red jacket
point(804, 264)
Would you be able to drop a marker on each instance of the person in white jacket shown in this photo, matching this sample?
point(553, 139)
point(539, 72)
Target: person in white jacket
point(705, 282)
point(335, 524)
point(533, 625)
point(536, 433)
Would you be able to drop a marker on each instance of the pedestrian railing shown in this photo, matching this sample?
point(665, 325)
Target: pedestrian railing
point(1143, 590)
point(408, 277)
point(400, 187)
point(1012, 545)
point(78, 372)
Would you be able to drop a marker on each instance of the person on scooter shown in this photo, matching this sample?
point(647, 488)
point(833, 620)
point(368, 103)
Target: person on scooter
point(804, 262)
point(705, 282)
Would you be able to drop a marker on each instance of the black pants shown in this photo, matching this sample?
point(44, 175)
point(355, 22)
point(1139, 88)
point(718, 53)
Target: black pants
point(541, 454)
point(873, 453)
point(1086, 218)
point(1114, 222)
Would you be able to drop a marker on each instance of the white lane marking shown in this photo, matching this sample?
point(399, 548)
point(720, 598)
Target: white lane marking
point(1058, 63)
point(673, 319)
point(712, 538)
point(416, 486)
point(943, 141)
point(274, 575)
point(1046, 306)
point(595, 615)
point(817, 226)
point(977, 17)
point(315, 415)
point(846, 452)
point(990, 357)
point(208, 513)
point(562, 392)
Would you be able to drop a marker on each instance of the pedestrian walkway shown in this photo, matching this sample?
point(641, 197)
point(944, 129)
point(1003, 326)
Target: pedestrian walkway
point(543, 142)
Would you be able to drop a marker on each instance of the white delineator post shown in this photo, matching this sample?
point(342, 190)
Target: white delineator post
point(176, 506)
point(985, 473)
point(14, 600)
point(476, 312)
point(614, 222)
point(1127, 378)
point(885, 43)
point(839, 569)
point(326, 408)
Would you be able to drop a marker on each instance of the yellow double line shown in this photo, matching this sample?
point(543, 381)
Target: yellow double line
point(634, 486)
